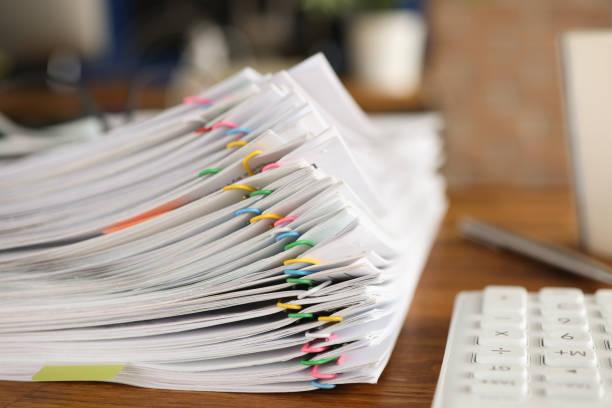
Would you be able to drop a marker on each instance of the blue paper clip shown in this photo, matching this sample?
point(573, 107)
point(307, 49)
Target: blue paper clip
point(286, 234)
point(248, 210)
point(321, 385)
point(237, 130)
point(296, 272)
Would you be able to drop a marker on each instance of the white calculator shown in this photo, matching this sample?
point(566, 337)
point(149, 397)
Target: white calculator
point(510, 348)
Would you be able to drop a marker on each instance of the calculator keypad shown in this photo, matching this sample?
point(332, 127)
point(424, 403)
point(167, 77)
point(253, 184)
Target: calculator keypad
point(510, 348)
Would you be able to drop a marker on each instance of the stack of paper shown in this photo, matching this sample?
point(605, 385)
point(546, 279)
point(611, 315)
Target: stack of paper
point(264, 236)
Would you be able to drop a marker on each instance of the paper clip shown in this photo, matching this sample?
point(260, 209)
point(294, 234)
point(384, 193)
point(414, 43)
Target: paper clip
point(316, 383)
point(288, 306)
point(308, 346)
point(333, 319)
point(296, 272)
point(210, 170)
point(314, 372)
point(263, 192)
point(307, 242)
point(248, 210)
point(238, 130)
point(287, 234)
point(147, 215)
point(224, 123)
point(300, 315)
point(312, 261)
point(217, 125)
point(197, 100)
point(299, 281)
point(320, 361)
point(244, 187)
point(268, 216)
point(236, 143)
point(285, 220)
point(245, 161)
point(270, 166)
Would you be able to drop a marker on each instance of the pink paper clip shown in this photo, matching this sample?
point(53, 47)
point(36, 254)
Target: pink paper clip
point(270, 166)
point(314, 372)
point(220, 124)
point(309, 346)
point(197, 100)
point(285, 220)
point(224, 123)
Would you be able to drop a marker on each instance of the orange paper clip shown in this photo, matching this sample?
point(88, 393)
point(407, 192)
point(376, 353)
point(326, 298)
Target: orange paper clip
point(147, 215)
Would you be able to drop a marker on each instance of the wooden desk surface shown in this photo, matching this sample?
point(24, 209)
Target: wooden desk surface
point(410, 377)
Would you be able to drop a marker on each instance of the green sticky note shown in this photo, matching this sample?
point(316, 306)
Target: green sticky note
point(93, 372)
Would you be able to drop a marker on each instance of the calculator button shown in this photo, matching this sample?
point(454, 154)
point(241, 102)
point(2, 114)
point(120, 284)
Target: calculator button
point(555, 295)
point(499, 388)
point(583, 390)
point(567, 338)
point(502, 299)
point(499, 371)
point(551, 353)
point(496, 337)
point(501, 355)
point(563, 375)
point(564, 308)
point(563, 322)
point(506, 320)
point(569, 357)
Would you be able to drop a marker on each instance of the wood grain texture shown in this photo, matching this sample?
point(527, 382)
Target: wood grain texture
point(494, 72)
point(410, 378)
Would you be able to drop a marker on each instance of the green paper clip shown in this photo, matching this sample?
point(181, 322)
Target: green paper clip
point(319, 361)
point(307, 242)
point(210, 170)
point(263, 192)
point(300, 315)
point(300, 281)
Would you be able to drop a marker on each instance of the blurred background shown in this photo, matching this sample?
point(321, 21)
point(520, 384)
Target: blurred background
point(491, 67)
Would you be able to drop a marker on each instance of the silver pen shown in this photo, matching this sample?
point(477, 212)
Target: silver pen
point(563, 258)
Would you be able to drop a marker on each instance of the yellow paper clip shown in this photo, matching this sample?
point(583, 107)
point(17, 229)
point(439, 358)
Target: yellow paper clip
point(312, 261)
point(245, 161)
point(268, 216)
point(236, 143)
point(288, 306)
point(244, 187)
point(329, 318)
